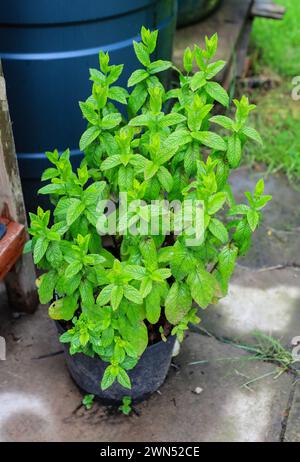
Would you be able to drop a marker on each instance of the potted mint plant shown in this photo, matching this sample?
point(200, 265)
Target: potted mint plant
point(123, 284)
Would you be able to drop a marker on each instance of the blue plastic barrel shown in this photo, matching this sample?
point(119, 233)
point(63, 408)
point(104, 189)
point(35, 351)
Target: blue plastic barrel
point(47, 48)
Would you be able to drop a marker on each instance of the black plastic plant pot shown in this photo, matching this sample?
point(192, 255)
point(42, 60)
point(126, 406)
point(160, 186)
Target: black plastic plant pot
point(192, 11)
point(147, 376)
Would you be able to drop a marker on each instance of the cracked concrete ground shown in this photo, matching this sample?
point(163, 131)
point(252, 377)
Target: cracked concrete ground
point(240, 398)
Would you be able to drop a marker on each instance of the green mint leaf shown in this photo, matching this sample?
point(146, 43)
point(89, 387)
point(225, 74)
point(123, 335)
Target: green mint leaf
point(253, 219)
point(47, 286)
point(133, 295)
point(39, 249)
point(234, 150)
point(118, 94)
point(178, 302)
point(76, 207)
point(216, 202)
point(214, 68)
point(89, 113)
point(88, 137)
point(141, 53)
point(210, 139)
point(108, 378)
point(73, 268)
point(223, 121)
point(198, 81)
point(202, 286)
point(217, 92)
point(123, 379)
point(159, 66)
point(111, 121)
point(217, 228)
point(137, 76)
point(252, 134)
point(152, 304)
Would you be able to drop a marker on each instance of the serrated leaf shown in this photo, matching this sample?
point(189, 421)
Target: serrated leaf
point(107, 337)
point(165, 178)
point(217, 228)
point(262, 202)
point(178, 138)
point(214, 68)
point(136, 271)
point(137, 76)
point(118, 94)
point(172, 119)
point(150, 169)
point(114, 73)
point(71, 285)
point(49, 173)
point(73, 268)
point(111, 162)
point(149, 253)
point(116, 297)
point(188, 58)
point(178, 302)
point(240, 209)
point(191, 156)
point(253, 219)
point(152, 304)
point(52, 188)
point(133, 295)
point(140, 120)
point(226, 261)
point(210, 139)
point(141, 53)
point(159, 66)
point(215, 202)
point(252, 134)
point(88, 137)
point(108, 378)
point(223, 121)
point(242, 236)
point(182, 262)
point(234, 150)
point(125, 178)
point(198, 81)
point(86, 293)
point(104, 296)
point(259, 187)
point(64, 308)
point(146, 286)
point(111, 120)
point(89, 112)
point(75, 209)
point(202, 285)
point(39, 249)
point(217, 92)
point(137, 97)
point(47, 286)
point(123, 379)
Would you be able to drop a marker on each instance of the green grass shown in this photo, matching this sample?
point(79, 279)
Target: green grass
point(275, 48)
point(279, 41)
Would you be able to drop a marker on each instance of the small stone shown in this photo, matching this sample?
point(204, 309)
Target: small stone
point(198, 390)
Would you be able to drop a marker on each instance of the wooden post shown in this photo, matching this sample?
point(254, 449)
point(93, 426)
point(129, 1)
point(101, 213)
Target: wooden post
point(20, 281)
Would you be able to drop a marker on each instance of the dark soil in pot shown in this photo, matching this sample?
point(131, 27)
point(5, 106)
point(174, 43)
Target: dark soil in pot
point(147, 376)
point(192, 11)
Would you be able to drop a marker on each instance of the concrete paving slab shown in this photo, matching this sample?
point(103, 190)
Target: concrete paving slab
point(267, 301)
point(277, 241)
point(292, 433)
point(40, 402)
